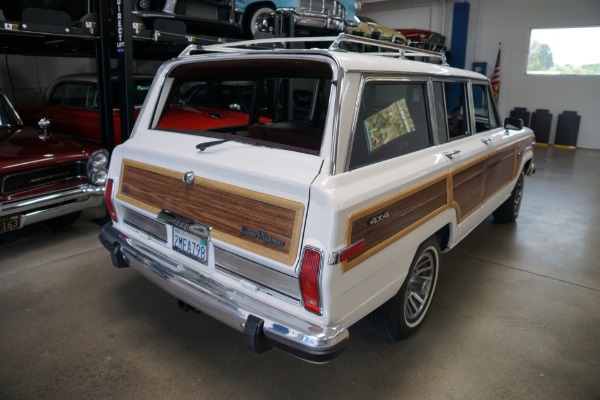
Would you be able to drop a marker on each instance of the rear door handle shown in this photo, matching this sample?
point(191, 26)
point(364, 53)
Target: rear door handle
point(451, 154)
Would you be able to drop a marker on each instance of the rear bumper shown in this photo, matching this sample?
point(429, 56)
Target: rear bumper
point(42, 208)
point(262, 325)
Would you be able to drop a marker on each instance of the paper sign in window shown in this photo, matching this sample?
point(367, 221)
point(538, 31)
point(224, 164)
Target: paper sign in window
point(388, 124)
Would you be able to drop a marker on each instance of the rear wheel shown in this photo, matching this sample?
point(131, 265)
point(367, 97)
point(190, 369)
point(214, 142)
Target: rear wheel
point(403, 314)
point(509, 210)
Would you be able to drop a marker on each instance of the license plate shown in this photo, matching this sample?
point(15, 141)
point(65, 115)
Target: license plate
point(10, 223)
point(189, 244)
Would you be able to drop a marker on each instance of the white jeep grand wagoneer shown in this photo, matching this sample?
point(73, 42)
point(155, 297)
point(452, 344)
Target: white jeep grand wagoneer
point(290, 193)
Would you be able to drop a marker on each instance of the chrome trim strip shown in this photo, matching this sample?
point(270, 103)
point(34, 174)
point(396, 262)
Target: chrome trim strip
point(258, 274)
point(230, 306)
point(145, 224)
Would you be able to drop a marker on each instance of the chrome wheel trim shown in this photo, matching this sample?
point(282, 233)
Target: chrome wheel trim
point(518, 196)
point(420, 287)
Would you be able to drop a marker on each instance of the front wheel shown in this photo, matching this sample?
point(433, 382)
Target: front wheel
point(509, 210)
point(403, 314)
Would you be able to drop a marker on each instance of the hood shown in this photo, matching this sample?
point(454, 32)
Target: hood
point(24, 148)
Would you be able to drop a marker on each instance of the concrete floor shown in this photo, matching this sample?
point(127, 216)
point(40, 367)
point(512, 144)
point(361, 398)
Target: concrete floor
point(516, 316)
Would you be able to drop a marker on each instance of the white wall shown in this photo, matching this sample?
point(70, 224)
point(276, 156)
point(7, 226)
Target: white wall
point(510, 22)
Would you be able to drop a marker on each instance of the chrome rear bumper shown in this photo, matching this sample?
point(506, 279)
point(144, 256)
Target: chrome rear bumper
point(262, 325)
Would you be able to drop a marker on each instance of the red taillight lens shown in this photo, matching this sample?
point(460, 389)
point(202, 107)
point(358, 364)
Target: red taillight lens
point(108, 200)
point(352, 251)
point(309, 280)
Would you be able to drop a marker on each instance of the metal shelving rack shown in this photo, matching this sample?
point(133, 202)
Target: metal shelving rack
point(51, 33)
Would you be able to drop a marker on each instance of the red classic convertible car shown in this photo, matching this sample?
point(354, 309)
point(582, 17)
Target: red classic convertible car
point(71, 104)
point(45, 177)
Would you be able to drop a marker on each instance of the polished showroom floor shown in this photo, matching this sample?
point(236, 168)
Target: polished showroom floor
point(516, 316)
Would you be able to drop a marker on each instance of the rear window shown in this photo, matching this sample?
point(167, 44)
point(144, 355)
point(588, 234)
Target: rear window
point(280, 103)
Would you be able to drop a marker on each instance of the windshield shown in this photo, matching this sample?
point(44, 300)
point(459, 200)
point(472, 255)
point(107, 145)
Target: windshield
point(8, 115)
point(282, 103)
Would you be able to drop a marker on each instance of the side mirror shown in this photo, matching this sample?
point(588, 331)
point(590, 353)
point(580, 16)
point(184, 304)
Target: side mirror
point(514, 124)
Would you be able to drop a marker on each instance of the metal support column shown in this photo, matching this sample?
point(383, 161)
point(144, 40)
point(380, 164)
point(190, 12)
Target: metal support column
point(105, 103)
point(124, 33)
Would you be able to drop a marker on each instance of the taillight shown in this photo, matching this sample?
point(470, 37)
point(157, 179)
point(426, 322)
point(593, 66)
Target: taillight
point(108, 200)
point(309, 280)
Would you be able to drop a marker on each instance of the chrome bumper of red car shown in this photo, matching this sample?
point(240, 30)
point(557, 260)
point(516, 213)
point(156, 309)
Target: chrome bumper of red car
point(42, 208)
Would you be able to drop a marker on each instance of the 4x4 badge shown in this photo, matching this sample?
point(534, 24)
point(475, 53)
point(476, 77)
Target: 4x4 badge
point(188, 178)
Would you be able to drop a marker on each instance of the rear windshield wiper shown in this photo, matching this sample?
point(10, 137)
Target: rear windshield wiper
point(205, 145)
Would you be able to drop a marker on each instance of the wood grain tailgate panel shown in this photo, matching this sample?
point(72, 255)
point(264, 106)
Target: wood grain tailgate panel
point(225, 208)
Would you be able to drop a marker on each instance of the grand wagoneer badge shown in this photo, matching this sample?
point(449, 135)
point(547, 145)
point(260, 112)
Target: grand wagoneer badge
point(264, 236)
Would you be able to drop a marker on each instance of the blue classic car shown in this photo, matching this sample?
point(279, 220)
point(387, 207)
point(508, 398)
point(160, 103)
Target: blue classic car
point(322, 15)
point(254, 16)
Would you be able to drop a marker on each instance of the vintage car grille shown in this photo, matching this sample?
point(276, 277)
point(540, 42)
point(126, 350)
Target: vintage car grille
point(14, 183)
point(333, 9)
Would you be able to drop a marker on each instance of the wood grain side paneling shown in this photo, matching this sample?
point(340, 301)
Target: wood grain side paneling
point(499, 170)
point(273, 224)
point(384, 222)
point(468, 186)
point(523, 146)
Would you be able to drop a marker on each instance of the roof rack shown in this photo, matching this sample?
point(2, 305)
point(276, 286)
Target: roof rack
point(342, 42)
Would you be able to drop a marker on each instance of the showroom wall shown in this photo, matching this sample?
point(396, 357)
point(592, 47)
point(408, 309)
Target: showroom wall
point(510, 22)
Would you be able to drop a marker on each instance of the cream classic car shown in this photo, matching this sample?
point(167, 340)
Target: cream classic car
point(329, 199)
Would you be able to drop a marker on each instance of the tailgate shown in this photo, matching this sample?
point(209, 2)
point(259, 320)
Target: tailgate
point(252, 199)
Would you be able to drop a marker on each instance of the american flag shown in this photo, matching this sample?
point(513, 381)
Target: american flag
point(496, 75)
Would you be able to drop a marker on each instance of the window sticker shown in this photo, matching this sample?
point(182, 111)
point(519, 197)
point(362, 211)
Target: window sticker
point(388, 124)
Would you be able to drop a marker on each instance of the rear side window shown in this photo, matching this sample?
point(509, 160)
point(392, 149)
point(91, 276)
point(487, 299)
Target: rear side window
point(75, 94)
point(392, 121)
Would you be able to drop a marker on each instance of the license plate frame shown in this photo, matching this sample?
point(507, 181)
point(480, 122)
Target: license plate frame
point(10, 223)
point(190, 245)
point(188, 237)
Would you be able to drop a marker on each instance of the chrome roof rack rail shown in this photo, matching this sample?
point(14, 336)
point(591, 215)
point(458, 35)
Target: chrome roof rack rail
point(342, 42)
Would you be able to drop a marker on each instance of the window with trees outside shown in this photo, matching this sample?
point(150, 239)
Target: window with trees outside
point(564, 51)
